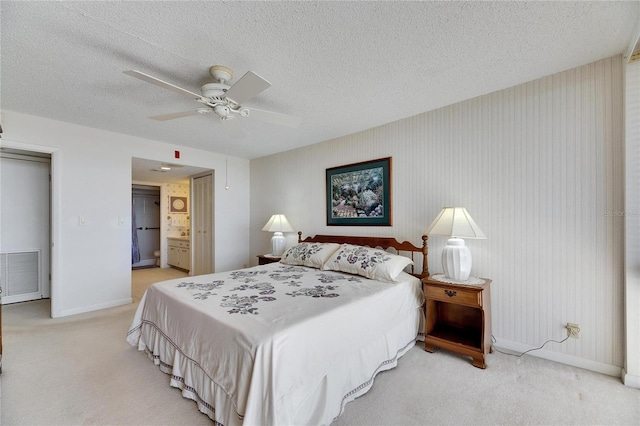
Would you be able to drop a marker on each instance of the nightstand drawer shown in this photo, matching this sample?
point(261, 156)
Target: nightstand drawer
point(454, 295)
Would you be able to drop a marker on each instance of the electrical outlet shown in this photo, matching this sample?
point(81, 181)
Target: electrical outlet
point(573, 330)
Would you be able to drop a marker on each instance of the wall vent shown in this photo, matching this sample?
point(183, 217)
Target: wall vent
point(20, 273)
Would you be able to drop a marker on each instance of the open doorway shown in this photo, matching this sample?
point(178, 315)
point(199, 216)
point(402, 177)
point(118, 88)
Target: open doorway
point(145, 229)
point(175, 212)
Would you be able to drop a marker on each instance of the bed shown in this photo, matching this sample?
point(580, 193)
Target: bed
point(289, 342)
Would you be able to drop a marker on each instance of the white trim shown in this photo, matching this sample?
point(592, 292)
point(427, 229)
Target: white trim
point(630, 380)
point(27, 146)
point(56, 173)
point(598, 367)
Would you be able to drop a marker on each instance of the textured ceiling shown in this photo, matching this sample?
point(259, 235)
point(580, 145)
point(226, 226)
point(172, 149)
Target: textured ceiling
point(341, 67)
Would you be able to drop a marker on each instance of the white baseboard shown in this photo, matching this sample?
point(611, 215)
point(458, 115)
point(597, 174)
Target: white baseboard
point(97, 307)
point(599, 367)
point(630, 380)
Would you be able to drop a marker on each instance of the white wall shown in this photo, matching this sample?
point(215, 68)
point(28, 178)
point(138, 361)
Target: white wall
point(91, 178)
point(632, 226)
point(539, 167)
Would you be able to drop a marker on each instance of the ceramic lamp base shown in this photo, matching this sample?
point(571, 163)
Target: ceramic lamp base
point(278, 244)
point(456, 260)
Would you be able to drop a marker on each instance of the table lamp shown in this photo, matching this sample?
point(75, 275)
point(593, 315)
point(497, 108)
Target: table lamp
point(456, 223)
point(278, 224)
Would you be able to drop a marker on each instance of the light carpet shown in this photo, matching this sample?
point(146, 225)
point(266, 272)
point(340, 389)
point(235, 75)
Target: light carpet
point(79, 370)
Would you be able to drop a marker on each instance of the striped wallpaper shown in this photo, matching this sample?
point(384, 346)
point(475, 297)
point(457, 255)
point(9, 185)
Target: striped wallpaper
point(539, 166)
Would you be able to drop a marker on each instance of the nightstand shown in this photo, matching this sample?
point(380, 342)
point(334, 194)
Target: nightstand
point(263, 259)
point(458, 317)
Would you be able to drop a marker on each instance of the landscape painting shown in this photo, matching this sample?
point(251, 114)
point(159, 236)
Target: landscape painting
point(360, 193)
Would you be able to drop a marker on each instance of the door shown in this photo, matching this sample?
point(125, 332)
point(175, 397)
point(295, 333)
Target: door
point(25, 237)
point(146, 217)
point(202, 220)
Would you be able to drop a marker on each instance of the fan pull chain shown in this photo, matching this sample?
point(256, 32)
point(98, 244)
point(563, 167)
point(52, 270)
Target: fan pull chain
point(226, 174)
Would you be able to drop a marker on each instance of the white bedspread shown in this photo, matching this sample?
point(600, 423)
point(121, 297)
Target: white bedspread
point(276, 344)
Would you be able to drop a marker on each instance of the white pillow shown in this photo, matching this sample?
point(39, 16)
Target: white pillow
point(312, 255)
point(376, 264)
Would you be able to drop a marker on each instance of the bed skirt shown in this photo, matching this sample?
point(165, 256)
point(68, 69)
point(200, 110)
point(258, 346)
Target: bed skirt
point(350, 377)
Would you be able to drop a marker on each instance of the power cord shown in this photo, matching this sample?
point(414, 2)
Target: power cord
point(493, 340)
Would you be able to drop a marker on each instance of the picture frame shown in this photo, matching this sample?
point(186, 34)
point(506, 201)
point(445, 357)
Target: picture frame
point(359, 194)
point(177, 204)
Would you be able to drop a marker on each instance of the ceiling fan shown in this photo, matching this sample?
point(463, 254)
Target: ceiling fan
point(223, 100)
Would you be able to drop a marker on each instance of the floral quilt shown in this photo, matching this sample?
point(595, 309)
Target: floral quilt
point(246, 290)
point(266, 336)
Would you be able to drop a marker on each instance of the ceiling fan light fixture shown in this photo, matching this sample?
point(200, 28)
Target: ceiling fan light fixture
point(222, 110)
point(213, 90)
point(226, 101)
point(221, 73)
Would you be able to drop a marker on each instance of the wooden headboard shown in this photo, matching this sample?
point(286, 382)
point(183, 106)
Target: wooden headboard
point(383, 242)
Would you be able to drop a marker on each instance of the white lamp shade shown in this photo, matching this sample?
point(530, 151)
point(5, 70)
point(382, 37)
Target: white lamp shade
point(278, 224)
point(455, 222)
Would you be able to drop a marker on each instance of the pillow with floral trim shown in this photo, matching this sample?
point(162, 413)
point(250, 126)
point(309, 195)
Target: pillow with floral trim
point(368, 262)
point(312, 255)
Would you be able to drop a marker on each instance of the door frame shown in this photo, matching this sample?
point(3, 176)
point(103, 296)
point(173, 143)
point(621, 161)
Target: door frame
point(160, 191)
point(54, 216)
point(163, 236)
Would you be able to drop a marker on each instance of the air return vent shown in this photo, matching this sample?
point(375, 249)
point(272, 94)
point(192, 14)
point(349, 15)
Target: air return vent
point(20, 272)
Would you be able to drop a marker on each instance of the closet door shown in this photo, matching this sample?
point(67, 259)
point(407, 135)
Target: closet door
point(202, 235)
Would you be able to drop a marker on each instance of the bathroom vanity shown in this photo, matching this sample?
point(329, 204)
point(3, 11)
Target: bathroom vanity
point(179, 252)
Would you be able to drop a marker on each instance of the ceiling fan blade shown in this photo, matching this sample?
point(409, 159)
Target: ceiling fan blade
point(171, 116)
point(163, 84)
point(274, 117)
point(232, 126)
point(247, 87)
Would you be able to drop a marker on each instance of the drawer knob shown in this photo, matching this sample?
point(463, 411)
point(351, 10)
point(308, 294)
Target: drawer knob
point(450, 293)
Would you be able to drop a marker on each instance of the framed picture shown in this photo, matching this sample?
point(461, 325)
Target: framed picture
point(360, 193)
point(177, 204)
